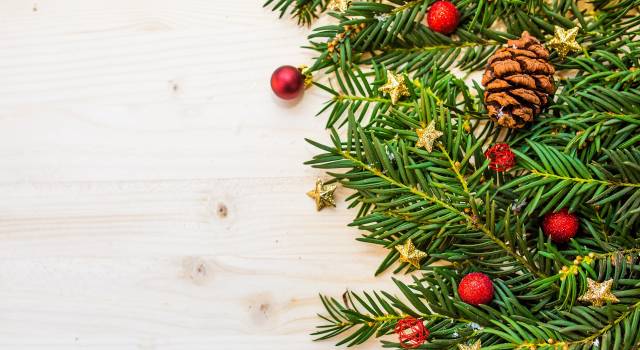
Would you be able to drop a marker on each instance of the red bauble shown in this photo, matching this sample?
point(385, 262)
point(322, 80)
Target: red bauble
point(476, 288)
point(501, 157)
point(287, 82)
point(443, 17)
point(411, 332)
point(561, 226)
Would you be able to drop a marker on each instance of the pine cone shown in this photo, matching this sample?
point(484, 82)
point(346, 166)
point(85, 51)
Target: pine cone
point(518, 82)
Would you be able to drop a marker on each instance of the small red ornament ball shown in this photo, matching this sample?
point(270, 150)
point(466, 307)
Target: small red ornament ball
point(501, 157)
point(443, 17)
point(476, 288)
point(411, 332)
point(287, 82)
point(561, 226)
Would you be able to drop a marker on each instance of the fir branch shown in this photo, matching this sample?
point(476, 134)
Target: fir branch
point(632, 311)
point(582, 153)
point(581, 180)
point(304, 10)
point(471, 220)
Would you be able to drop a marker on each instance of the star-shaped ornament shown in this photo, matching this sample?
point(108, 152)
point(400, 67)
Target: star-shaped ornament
point(475, 346)
point(564, 41)
point(427, 136)
point(323, 195)
point(339, 5)
point(395, 87)
point(598, 293)
point(409, 254)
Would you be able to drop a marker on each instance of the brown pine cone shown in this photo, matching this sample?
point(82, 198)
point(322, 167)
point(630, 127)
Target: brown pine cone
point(518, 82)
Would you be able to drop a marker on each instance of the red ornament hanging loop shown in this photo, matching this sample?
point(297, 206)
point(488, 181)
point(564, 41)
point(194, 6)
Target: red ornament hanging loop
point(411, 332)
point(501, 157)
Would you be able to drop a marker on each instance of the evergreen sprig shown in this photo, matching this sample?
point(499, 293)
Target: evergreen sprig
point(582, 153)
point(304, 10)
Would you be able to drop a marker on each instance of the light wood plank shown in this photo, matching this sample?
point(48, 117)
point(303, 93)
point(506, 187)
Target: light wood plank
point(153, 191)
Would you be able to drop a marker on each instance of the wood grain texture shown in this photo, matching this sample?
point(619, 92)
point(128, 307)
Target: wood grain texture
point(153, 188)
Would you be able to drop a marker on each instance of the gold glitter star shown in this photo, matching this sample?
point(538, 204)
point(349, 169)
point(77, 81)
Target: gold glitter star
point(409, 254)
point(395, 87)
point(475, 346)
point(339, 5)
point(323, 195)
point(564, 41)
point(427, 136)
point(598, 293)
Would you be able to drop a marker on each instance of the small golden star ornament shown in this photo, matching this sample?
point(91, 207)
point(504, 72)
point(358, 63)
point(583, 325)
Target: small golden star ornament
point(475, 346)
point(409, 254)
point(339, 5)
point(395, 87)
point(564, 41)
point(323, 195)
point(598, 293)
point(427, 136)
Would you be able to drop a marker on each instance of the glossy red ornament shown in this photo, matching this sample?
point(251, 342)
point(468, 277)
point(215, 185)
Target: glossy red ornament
point(287, 82)
point(476, 288)
point(561, 226)
point(443, 17)
point(411, 332)
point(501, 157)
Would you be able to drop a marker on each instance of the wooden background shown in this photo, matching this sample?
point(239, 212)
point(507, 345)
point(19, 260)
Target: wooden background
point(152, 188)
